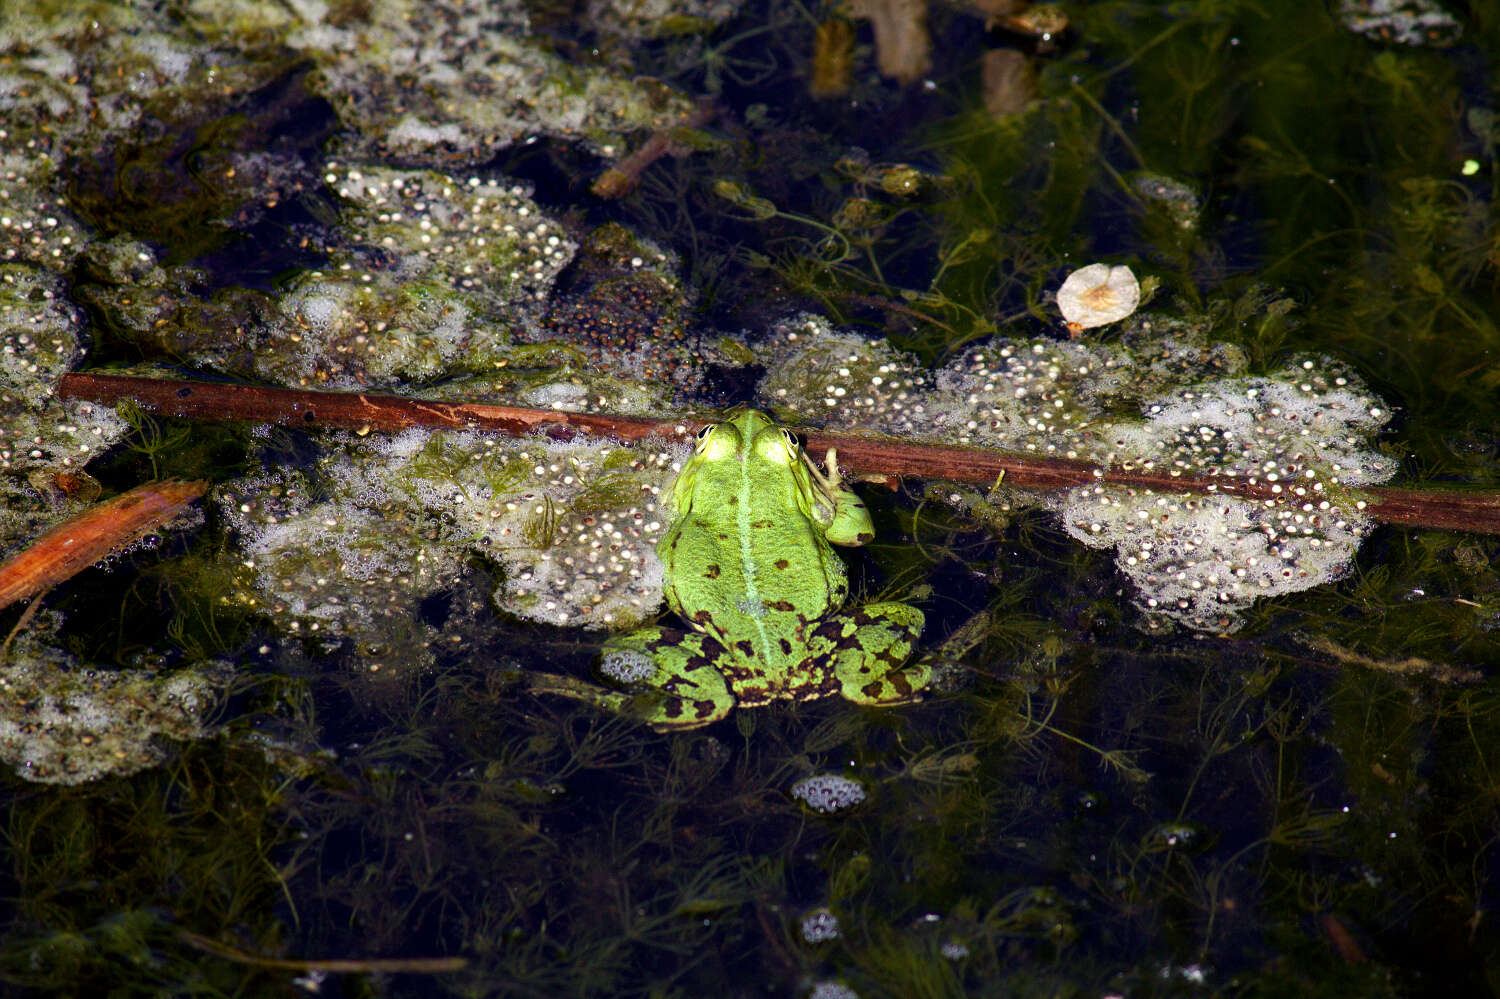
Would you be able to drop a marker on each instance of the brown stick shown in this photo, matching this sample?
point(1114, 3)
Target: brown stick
point(1453, 510)
point(74, 544)
point(620, 179)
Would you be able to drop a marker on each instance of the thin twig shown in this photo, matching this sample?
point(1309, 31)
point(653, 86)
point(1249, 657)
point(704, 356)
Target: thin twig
point(1445, 509)
point(350, 966)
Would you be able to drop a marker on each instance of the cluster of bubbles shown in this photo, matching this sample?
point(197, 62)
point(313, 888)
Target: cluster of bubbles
point(457, 80)
point(1201, 559)
point(627, 666)
point(831, 989)
point(432, 81)
point(40, 338)
point(91, 66)
point(427, 276)
point(575, 525)
point(828, 793)
point(349, 549)
point(41, 437)
point(819, 925)
point(327, 572)
point(1402, 22)
point(432, 272)
point(61, 723)
point(478, 234)
point(1160, 399)
point(35, 227)
point(1179, 202)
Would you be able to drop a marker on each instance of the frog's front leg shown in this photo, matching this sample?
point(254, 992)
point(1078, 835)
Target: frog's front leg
point(865, 649)
point(843, 515)
point(679, 665)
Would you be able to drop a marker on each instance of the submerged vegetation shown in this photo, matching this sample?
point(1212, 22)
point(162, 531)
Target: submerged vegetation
point(329, 749)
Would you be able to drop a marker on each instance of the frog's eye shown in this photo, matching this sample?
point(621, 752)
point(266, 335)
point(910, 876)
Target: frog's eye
point(793, 444)
point(717, 441)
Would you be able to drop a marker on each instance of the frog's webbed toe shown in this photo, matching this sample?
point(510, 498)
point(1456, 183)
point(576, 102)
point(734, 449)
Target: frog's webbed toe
point(679, 668)
point(866, 648)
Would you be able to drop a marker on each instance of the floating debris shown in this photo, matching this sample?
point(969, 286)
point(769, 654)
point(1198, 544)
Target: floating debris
point(819, 925)
point(1008, 79)
point(831, 990)
point(903, 48)
point(573, 525)
point(833, 59)
point(829, 793)
point(1403, 22)
point(65, 723)
point(1097, 295)
point(1179, 201)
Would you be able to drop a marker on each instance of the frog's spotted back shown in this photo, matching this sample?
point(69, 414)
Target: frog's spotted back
point(750, 569)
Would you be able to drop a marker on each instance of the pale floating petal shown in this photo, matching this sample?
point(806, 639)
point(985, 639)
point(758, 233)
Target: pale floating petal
point(1098, 294)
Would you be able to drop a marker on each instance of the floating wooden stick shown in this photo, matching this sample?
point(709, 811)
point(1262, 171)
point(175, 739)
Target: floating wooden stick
point(80, 542)
point(1453, 510)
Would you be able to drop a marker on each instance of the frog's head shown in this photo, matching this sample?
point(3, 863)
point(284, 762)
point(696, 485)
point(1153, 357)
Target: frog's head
point(745, 446)
point(749, 435)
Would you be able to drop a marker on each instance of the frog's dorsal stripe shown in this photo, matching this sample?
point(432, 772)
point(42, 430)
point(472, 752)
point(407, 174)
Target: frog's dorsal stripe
point(754, 608)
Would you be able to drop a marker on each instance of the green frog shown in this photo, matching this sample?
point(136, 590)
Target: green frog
point(750, 569)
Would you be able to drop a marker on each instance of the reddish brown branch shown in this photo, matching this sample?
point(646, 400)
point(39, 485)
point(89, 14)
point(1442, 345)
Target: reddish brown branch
point(1453, 510)
point(83, 540)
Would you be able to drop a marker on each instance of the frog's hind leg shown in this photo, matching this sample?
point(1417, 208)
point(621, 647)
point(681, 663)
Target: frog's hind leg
point(866, 648)
point(685, 689)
